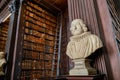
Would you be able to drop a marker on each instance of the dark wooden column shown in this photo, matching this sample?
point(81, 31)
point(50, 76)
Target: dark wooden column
point(9, 49)
point(109, 40)
point(16, 68)
point(96, 16)
point(64, 67)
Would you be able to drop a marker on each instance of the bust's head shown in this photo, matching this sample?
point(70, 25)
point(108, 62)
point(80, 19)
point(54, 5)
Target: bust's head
point(78, 27)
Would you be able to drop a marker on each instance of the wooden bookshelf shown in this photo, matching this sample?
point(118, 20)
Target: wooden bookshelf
point(3, 34)
point(40, 43)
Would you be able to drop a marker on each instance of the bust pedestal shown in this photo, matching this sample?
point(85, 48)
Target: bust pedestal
point(89, 77)
point(82, 67)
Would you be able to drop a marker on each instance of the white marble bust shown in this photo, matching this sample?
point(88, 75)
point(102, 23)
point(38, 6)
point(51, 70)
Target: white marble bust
point(2, 62)
point(82, 44)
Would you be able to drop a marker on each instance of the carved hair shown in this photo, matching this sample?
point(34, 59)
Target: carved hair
point(81, 24)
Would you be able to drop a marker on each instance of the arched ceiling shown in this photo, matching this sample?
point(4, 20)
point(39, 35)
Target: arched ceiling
point(61, 4)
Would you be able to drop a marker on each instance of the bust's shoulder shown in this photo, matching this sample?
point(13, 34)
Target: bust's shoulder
point(93, 36)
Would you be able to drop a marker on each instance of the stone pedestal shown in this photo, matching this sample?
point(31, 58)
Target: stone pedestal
point(87, 77)
point(82, 67)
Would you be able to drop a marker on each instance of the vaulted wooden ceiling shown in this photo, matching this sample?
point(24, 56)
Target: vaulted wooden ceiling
point(61, 4)
point(3, 4)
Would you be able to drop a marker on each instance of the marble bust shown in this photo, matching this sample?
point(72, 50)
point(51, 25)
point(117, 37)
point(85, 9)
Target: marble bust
point(2, 62)
point(81, 45)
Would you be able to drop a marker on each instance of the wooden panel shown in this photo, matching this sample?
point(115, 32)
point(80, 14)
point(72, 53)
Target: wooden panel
point(85, 10)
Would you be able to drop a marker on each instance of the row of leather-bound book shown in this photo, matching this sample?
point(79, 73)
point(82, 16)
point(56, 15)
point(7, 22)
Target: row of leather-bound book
point(3, 36)
point(40, 54)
